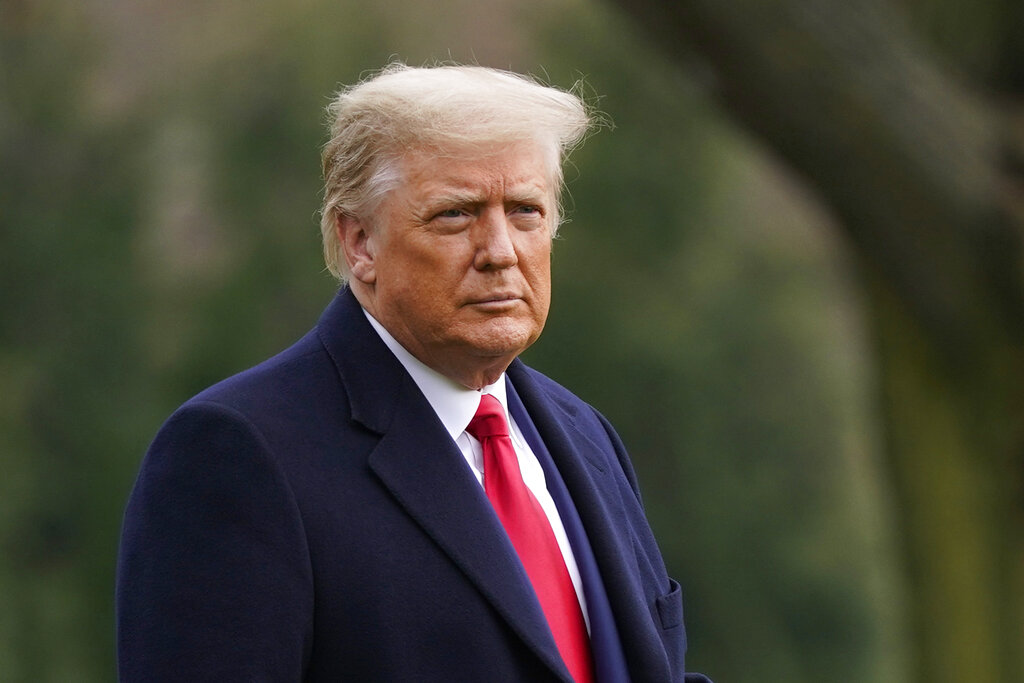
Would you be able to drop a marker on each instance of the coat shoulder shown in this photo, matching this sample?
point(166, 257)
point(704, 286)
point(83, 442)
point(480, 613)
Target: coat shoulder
point(552, 390)
point(283, 375)
point(583, 415)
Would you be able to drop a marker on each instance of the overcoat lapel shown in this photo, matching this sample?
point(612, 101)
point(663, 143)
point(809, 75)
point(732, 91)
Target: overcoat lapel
point(421, 466)
point(596, 494)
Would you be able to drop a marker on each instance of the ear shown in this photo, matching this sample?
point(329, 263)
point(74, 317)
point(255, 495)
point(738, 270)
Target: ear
point(359, 248)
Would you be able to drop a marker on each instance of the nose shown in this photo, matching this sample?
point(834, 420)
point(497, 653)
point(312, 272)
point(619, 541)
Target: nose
point(495, 249)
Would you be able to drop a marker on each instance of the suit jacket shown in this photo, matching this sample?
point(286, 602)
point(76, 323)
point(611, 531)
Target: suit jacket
point(311, 520)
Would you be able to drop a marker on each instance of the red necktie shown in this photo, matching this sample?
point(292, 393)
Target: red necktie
point(528, 528)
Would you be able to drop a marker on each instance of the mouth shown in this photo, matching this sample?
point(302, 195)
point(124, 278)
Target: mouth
point(497, 301)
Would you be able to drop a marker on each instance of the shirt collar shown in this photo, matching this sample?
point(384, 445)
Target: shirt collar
point(454, 404)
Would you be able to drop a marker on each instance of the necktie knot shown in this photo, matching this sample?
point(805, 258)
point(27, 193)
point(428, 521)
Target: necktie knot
point(489, 419)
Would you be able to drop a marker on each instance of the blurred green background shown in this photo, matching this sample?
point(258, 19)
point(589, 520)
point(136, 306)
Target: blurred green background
point(159, 189)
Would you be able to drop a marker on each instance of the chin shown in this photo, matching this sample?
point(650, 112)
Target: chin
point(510, 346)
point(501, 337)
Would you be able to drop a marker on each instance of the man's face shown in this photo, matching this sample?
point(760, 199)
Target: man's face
point(457, 262)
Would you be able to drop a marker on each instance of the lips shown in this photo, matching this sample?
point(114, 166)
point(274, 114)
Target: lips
point(497, 296)
point(494, 299)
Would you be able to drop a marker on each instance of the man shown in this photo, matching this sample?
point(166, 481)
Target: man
point(396, 497)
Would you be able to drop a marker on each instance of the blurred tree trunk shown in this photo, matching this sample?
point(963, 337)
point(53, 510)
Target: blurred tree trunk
point(926, 177)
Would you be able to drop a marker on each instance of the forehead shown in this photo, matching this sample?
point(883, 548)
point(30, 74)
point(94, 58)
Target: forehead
point(517, 167)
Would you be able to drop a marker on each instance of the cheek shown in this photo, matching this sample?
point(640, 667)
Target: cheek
point(542, 276)
point(537, 267)
point(544, 298)
point(429, 298)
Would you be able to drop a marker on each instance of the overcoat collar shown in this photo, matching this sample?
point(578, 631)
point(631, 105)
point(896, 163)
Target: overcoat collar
point(597, 498)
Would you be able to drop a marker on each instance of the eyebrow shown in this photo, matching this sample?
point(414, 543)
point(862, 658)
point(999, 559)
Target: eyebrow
point(526, 194)
point(455, 197)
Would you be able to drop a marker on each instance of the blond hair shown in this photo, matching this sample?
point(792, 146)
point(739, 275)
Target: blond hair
point(449, 109)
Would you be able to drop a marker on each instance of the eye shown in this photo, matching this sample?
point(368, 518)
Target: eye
point(450, 213)
point(528, 209)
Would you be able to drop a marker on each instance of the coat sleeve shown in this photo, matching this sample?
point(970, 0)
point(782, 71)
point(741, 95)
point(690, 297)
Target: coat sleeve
point(214, 579)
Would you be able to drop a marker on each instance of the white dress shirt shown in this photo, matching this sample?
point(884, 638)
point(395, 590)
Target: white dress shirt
point(455, 406)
